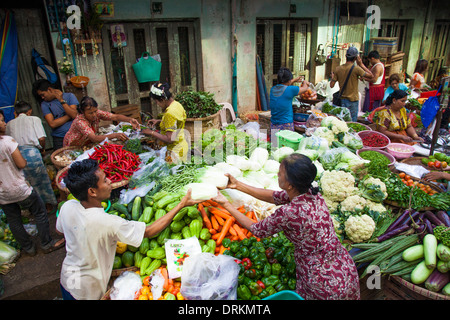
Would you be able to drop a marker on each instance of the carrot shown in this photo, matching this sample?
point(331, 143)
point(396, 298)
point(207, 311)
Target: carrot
point(234, 238)
point(222, 249)
point(214, 222)
point(166, 277)
point(215, 236)
point(212, 203)
point(228, 223)
point(220, 213)
point(241, 209)
point(233, 232)
point(239, 231)
point(212, 231)
point(220, 220)
point(205, 218)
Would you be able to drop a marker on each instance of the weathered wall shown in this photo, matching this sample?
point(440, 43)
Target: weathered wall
point(223, 21)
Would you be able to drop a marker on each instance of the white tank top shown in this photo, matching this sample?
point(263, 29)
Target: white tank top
point(380, 78)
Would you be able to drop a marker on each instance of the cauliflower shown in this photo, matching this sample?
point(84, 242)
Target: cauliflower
point(324, 132)
point(352, 203)
point(334, 124)
point(337, 224)
point(373, 189)
point(359, 228)
point(375, 206)
point(337, 185)
point(332, 205)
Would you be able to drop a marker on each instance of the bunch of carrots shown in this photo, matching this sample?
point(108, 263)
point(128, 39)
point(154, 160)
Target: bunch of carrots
point(222, 224)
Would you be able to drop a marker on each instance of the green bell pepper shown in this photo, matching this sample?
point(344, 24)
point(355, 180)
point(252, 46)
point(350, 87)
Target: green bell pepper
point(267, 270)
point(255, 288)
point(280, 287)
point(255, 298)
point(234, 246)
point(264, 293)
point(244, 251)
point(226, 242)
point(241, 278)
point(251, 273)
point(271, 290)
point(247, 281)
point(276, 268)
point(292, 284)
point(243, 292)
point(271, 280)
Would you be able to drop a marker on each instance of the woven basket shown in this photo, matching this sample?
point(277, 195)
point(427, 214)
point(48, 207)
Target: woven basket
point(62, 164)
point(115, 274)
point(212, 121)
point(420, 290)
point(114, 185)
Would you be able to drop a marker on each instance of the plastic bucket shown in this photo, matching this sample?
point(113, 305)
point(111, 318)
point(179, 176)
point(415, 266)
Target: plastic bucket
point(284, 295)
point(287, 138)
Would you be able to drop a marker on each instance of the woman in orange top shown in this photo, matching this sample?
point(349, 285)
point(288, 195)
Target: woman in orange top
point(418, 78)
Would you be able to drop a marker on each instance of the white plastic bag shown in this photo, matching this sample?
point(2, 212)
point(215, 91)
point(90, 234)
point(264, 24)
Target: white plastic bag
point(209, 277)
point(177, 251)
point(126, 286)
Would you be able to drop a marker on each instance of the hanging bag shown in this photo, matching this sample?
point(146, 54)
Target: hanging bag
point(337, 95)
point(430, 109)
point(147, 69)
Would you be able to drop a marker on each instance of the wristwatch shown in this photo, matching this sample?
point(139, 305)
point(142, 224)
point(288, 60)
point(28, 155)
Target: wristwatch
point(63, 102)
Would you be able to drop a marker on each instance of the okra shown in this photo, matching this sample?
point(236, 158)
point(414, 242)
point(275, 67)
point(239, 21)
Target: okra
point(400, 266)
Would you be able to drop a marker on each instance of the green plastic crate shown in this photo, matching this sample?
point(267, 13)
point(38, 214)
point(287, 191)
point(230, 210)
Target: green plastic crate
point(287, 138)
point(284, 295)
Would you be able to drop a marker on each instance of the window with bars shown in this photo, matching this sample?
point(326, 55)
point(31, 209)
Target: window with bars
point(283, 43)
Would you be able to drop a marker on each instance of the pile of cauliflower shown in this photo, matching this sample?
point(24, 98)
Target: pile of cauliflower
point(341, 195)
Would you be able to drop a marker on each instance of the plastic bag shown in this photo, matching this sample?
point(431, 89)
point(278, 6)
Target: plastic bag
point(7, 253)
point(177, 252)
point(429, 111)
point(413, 171)
point(154, 170)
point(315, 119)
point(209, 277)
point(126, 286)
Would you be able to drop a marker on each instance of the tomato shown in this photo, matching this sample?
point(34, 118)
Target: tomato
point(437, 164)
point(407, 177)
point(402, 175)
point(443, 164)
point(431, 164)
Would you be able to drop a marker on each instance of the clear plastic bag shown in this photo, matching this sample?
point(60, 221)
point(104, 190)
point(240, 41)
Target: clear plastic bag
point(209, 277)
point(126, 286)
point(7, 253)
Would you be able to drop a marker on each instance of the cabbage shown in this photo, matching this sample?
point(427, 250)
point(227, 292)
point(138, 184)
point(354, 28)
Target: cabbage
point(282, 153)
point(314, 143)
point(228, 168)
point(271, 166)
point(254, 165)
point(201, 191)
point(258, 178)
point(259, 155)
point(312, 154)
point(240, 162)
point(319, 167)
point(215, 177)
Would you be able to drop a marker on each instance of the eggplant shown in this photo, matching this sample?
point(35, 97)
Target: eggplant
point(399, 221)
point(392, 233)
point(437, 280)
point(444, 217)
point(433, 218)
point(428, 226)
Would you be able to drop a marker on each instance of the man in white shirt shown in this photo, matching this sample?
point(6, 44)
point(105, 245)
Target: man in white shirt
point(29, 132)
point(92, 234)
point(16, 193)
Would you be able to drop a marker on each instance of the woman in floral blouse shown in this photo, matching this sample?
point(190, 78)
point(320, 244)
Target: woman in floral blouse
point(84, 128)
point(325, 270)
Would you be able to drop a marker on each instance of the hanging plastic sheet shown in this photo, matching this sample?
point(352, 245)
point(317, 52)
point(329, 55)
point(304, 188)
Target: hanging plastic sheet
point(262, 89)
point(8, 66)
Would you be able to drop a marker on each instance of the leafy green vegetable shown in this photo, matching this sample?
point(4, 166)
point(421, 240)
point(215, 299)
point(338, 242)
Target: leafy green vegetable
point(198, 104)
point(134, 145)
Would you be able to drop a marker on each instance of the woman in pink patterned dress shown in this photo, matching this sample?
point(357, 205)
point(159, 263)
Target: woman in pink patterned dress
point(84, 128)
point(325, 270)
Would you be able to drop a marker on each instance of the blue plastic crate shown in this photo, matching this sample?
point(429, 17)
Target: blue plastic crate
point(301, 117)
point(284, 295)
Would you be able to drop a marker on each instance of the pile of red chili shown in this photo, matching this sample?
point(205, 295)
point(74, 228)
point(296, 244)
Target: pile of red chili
point(375, 140)
point(115, 161)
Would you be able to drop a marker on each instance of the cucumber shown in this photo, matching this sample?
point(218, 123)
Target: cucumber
point(413, 253)
point(429, 250)
point(421, 273)
point(446, 289)
point(136, 209)
point(443, 252)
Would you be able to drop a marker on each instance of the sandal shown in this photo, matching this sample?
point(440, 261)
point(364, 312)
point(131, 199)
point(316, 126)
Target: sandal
point(54, 245)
